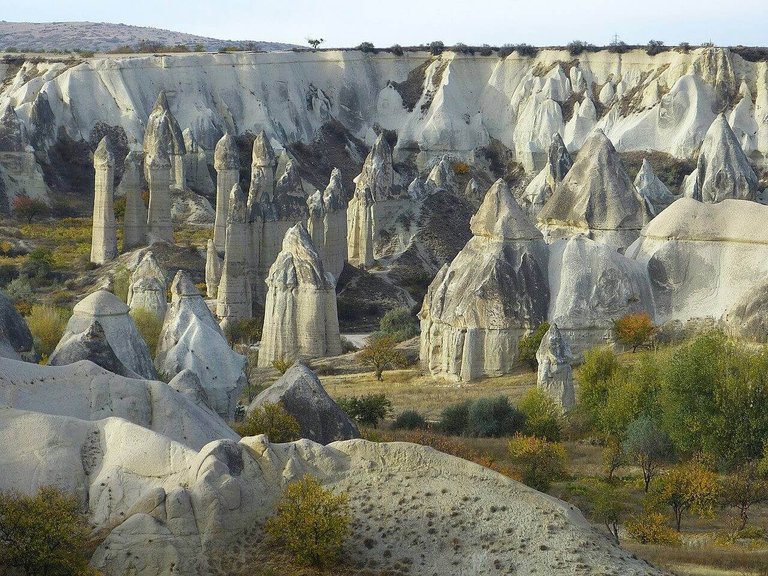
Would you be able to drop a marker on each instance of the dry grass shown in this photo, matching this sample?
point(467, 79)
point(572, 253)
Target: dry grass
point(704, 560)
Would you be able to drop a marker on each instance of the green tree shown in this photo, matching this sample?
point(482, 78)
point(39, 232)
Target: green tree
point(380, 354)
point(744, 488)
point(45, 534)
point(540, 461)
point(528, 345)
point(274, 421)
point(634, 329)
point(691, 486)
point(543, 417)
point(647, 446)
point(368, 409)
point(594, 377)
point(399, 324)
point(311, 523)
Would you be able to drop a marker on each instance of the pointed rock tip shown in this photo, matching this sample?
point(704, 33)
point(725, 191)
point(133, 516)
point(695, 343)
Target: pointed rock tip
point(225, 155)
point(500, 216)
point(104, 153)
point(262, 154)
point(183, 285)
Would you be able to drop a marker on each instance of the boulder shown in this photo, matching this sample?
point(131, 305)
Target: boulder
point(704, 259)
point(591, 285)
point(91, 345)
point(655, 193)
point(300, 317)
point(302, 395)
point(121, 333)
point(493, 292)
point(104, 232)
point(226, 161)
point(596, 199)
point(723, 171)
point(554, 375)
point(15, 338)
point(191, 340)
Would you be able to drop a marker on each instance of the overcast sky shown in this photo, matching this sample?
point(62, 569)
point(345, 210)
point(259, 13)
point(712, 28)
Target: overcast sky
point(343, 23)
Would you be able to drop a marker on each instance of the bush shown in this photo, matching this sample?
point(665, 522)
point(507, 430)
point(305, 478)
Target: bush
point(38, 267)
point(244, 331)
point(654, 47)
point(493, 418)
point(541, 462)
point(282, 365)
point(47, 325)
point(528, 345)
point(462, 48)
point(594, 376)
point(8, 273)
point(27, 209)
point(119, 208)
point(121, 280)
point(486, 50)
point(543, 417)
point(380, 354)
point(409, 420)
point(506, 50)
point(453, 419)
point(577, 47)
point(43, 534)
point(368, 409)
point(311, 523)
point(272, 420)
point(618, 47)
point(436, 47)
point(684, 47)
point(19, 289)
point(634, 329)
point(149, 326)
point(526, 50)
point(396, 49)
point(651, 528)
point(460, 168)
point(366, 47)
point(399, 324)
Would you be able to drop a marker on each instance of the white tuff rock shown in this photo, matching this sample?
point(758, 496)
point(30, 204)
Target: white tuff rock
point(655, 193)
point(226, 161)
point(555, 376)
point(131, 187)
point(104, 236)
point(327, 224)
point(234, 293)
point(213, 266)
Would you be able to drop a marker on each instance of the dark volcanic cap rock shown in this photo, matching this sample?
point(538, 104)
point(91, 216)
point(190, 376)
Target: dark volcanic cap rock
point(303, 397)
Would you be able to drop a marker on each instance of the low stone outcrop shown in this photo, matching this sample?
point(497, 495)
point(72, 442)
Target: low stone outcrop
point(327, 224)
point(300, 317)
point(302, 395)
point(234, 292)
point(723, 171)
point(192, 340)
point(226, 161)
point(16, 340)
point(596, 199)
point(131, 187)
point(122, 335)
point(655, 193)
point(555, 375)
point(104, 234)
point(493, 292)
point(91, 345)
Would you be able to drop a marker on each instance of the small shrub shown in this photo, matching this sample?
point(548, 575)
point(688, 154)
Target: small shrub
point(43, 534)
point(436, 47)
point(453, 419)
point(506, 50)
point(541, 462)
point(684, 47)
point(367, 410)
point(121, 280)
point(380, 354)
point(366, 47)
point(526, 50)
point(23, 307)
point(149, 326)
point(577, 47)
point(47, 325)
point(486, 50)
point(528, 345)
point(543, 417)
point(409, 420)
point(28, 209)
point(244, 331)
point(396, 49)
point(462, 48)
point(460, 168)
point(654, 47)
point(399, 324)
point(311, 523)
point(493, 417)
point(19, 289)
point(272, 420)
point(651, 528)
point(281, 365)
point(347, 346)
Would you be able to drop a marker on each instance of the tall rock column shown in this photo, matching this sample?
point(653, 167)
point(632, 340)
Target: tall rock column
point(555, 376)
point(163, 131)
point(104, 238)
point(226, 161)
point(300, 316)
point(159, 214)
point(212, 270)
point(135, 219)
point(327, 224)
point(234, 294)
point(260, 193)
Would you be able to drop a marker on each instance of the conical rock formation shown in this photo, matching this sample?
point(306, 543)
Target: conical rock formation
point(493, 292)
point(226, 161)
point(655, 193)
point(555, 376)
point(234, 293)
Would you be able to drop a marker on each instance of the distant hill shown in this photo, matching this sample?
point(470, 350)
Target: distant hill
point(105, 37)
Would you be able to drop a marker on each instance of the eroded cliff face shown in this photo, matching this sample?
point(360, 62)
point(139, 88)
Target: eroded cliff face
point(451, 103)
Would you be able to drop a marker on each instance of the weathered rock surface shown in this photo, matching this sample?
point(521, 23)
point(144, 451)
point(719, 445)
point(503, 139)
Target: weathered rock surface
point(723, 170)
point(554, 375)
point(596, 199)
point(213, 266)
point(15, 338)
point(302, 395)
point(226, 161)
point(147, 288)
point(540, 189)
point(104, 233)
point(121, 332)
point(91, 345)
point(192, 340)
point(131, 187)
point(163, 136)
point(591, 286)
point(234, 292)
point(327, 224)
point(196, 166)
point(159, 220)
point(20, 175)
point(655, 193)
point(300, 316)
point(703, 259)
point(493, 292)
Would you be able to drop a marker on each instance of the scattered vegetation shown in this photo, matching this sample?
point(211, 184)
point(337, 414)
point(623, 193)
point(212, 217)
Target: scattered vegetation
point(246, 331)
point(368, 410)
point(311, 523)
point(272, 420)
point(282, 365)
point(149, 326)
point(634, 330)
point(529, 344)
point(28, 209)
point(541, 462)
point(47, 325)
point(380, 354)
point(409, 420)
point(482, 418)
